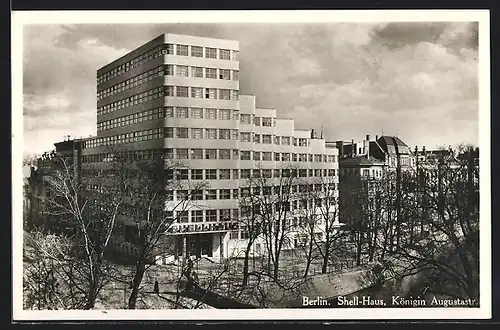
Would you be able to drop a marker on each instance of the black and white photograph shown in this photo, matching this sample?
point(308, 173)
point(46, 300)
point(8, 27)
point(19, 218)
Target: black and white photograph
point(262, 165)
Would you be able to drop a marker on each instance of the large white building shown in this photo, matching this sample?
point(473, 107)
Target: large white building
point(177, 97)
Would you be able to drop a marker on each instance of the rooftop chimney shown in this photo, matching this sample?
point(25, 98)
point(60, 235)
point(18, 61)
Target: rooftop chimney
point(368, 138)
point(353, 148)
point(312, 134)
point(376, 137)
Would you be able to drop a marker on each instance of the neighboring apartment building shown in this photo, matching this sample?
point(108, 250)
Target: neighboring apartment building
point(177, 97)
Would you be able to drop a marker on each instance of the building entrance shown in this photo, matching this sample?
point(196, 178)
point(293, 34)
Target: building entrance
point(195, 245)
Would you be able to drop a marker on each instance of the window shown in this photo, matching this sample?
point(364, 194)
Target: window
point(169, 49)
point(169, 112)
point(235, 174)
point(294, 157)
point(277, 173)
point(211, 154)
point(224, 74)
point(256, 121)
point(235, 134)
point(245, 119)
point(224, 114)
point(267, 156)
point(169, 70)
point(196, 153)
point(224, 153)
point(211, 194)
point(182, 112)
point(211, 113)
point(181, 132)
point(224, 94)
point(245, 137)
point(224, 54)
point(285, 157)
point(302, 173)
point(224, 174)
point(225, 134)
point(225, 215)
point(267, 139)
point(211, 215)
point(197, 72)
point(235, 55)
point(235, 95)
point(196, 133)
point(245, 173)
point(267, 122)
point(210, 93)
point(182, 50)
point(183, 174)
point(182, 154)
point(245, 155)
point(236, 75)
point(182, 71)
point(196, 51)
point(285, 140)
point(197, 113)
point(169, 154)
point(211, 73)
point(210, 52)
point(302, 157)
point(277, 157)
point(168, 132)
point(256, 155)
point(234, 234)
point(197, 92)
point(225, 194)
point(182, 91)
point(211, 174)
point(317, 172)
point(256, 138)
point(197, 174)
point(182, 216)
point(236, 115)
point(236, 154)
point(197, 216)
point(267, 173)
point(169, 91)
point(302, 142)
point(210, 133)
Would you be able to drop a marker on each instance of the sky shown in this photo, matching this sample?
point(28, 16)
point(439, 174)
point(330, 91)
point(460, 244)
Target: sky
point(417, 81)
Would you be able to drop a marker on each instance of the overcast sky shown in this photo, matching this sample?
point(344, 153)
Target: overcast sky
point(418, 81)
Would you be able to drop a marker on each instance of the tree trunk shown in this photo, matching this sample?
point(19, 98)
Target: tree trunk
point(139, 274)
point(326, 256)
point(276, 267)
point(245, 266)
point(309, 258)
point(92, 296)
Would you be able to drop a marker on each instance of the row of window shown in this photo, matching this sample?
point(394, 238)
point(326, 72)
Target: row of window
point(169, 49)
point(209, 134)
point(374, 173)
point(211, 154)
point(170, 91)
point(169, 70)
point(167, 112)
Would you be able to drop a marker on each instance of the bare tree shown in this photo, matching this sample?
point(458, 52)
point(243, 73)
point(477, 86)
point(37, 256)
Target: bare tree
point(273, 195)
point(89, 213)
point(327, 232)
point(251, 221)
point(448, 251)
point(150, 209)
